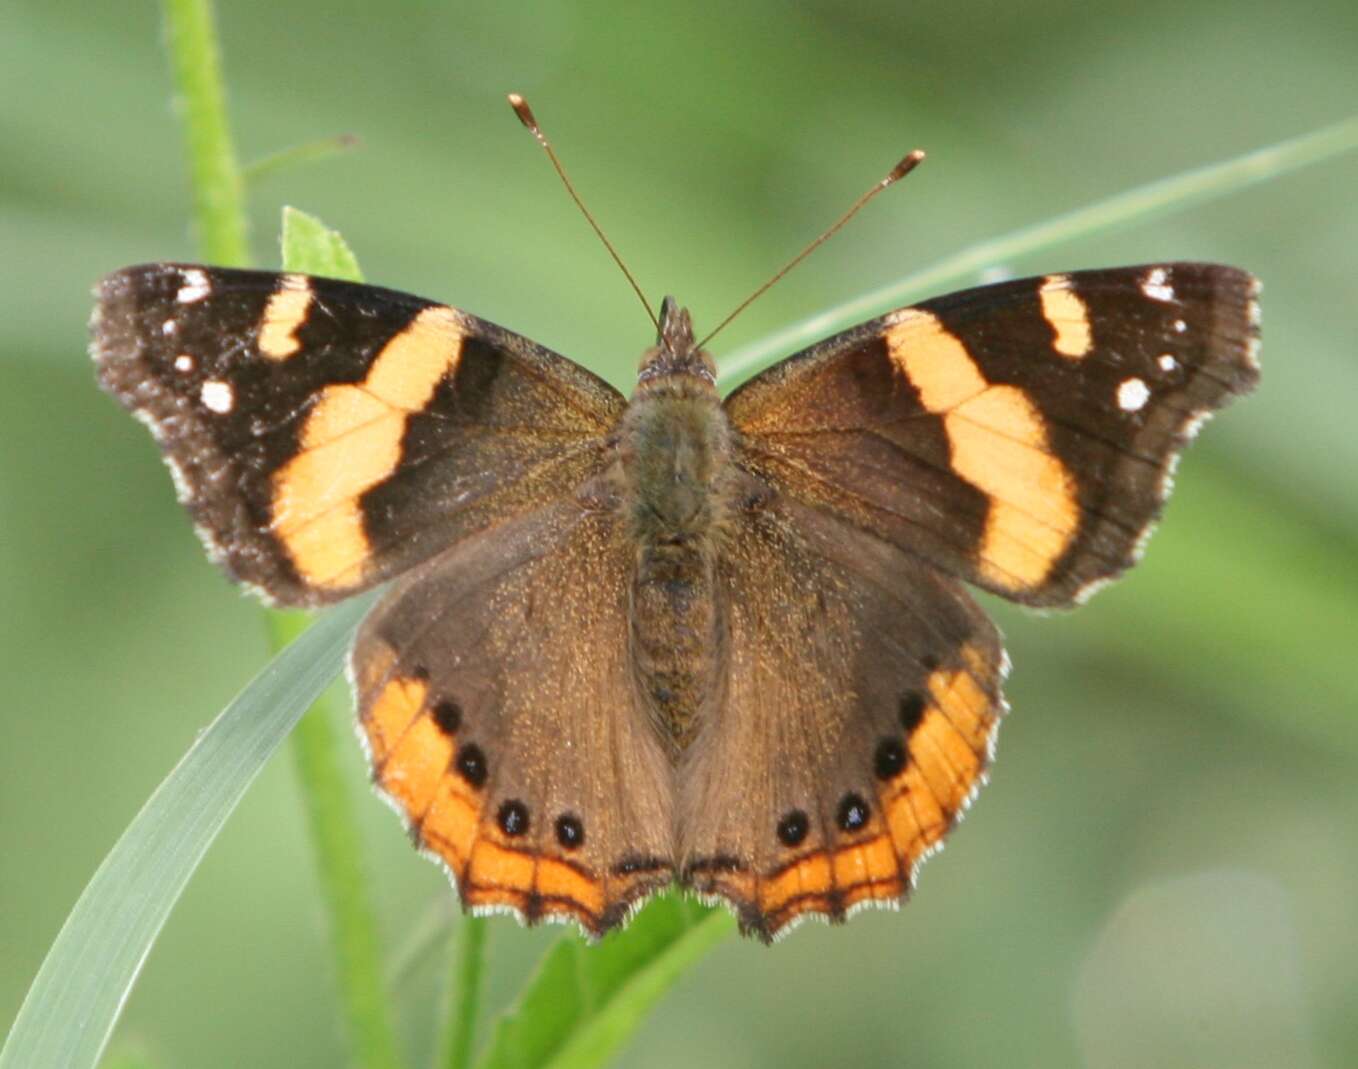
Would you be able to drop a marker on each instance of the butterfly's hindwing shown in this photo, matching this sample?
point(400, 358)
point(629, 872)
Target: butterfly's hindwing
point(856, 721)
point(1019, 435)
point(326, 435)
point(503, 721)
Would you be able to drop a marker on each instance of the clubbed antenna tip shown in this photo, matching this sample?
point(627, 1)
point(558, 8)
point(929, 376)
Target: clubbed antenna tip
point(908, 164)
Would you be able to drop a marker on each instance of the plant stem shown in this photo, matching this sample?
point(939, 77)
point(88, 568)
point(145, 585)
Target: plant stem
point(218, 208)
point(468, 971)
point(219, 215)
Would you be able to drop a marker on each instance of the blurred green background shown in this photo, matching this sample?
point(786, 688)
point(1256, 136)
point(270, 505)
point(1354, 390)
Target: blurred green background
point(1164, 869)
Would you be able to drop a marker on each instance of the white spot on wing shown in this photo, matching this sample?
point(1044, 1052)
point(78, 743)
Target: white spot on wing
point(217, 395)
point(168, 327)
point(1180, 326)
point(1155, 285)
point(1167, 362)
point(183, 362)
point(1133, 395)
point(195, 287)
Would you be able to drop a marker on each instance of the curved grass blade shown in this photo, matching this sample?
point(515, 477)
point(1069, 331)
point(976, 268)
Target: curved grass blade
point(585, 1002)
point(1136, 205)
point(79, 992)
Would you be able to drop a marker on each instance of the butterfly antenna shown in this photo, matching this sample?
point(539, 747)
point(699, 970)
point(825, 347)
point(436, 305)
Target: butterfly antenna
point(525, 114)
point(908, 164)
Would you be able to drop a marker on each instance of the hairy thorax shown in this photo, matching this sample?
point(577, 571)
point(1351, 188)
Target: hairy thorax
point(675, 451)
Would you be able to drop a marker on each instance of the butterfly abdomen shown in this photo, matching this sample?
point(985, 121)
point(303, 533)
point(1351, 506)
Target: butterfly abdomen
point(676, 463)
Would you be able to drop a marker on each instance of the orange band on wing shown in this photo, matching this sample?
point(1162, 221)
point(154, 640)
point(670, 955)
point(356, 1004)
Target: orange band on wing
point(284, 316)
point(416, 767)
point(998, 443)
point(502, 876)
point(450, 825)
point(351, 441)
point(391, 713)
point(830, 883)
point(1067, 315)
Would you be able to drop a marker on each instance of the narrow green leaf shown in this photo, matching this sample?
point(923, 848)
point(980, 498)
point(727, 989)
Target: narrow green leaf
point(218, 197)
point(585, 1002)
point(313, 248)
point(296, 156)
point(1134, 206)
point(79, 992)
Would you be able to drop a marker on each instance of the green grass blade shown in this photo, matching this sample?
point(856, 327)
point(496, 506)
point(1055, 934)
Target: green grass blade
point(219, 208)
point(297, 156)
point(585, 1002)
point(1134, 206)
point(70, 1010)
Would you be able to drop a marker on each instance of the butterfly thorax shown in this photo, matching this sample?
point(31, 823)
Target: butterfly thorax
point(675, 450)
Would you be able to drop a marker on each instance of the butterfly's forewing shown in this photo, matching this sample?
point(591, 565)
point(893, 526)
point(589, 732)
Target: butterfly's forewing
point(503, 720)
point(860, 703)
point(327, 435)
point(1021, 435)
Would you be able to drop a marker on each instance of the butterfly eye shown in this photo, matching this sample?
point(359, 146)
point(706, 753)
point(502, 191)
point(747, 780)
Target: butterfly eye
point(853, 812)
point(471, 764)
point(793, 827)
point(448, 716)
point(513, 817)
point(912, 711)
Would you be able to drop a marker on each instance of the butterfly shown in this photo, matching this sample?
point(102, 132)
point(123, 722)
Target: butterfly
point(628, 643)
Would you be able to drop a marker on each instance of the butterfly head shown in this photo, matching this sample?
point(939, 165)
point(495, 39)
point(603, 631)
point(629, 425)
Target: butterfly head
point(675, 352)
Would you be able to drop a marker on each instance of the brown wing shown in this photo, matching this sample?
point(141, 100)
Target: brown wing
point(1020, 436)
point(327, 435)
point(503, 721)
point(860, 707)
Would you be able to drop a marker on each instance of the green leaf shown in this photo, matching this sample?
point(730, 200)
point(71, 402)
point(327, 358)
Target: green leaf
point(70, 1010)
point(585, 1002)
point(313, 248)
